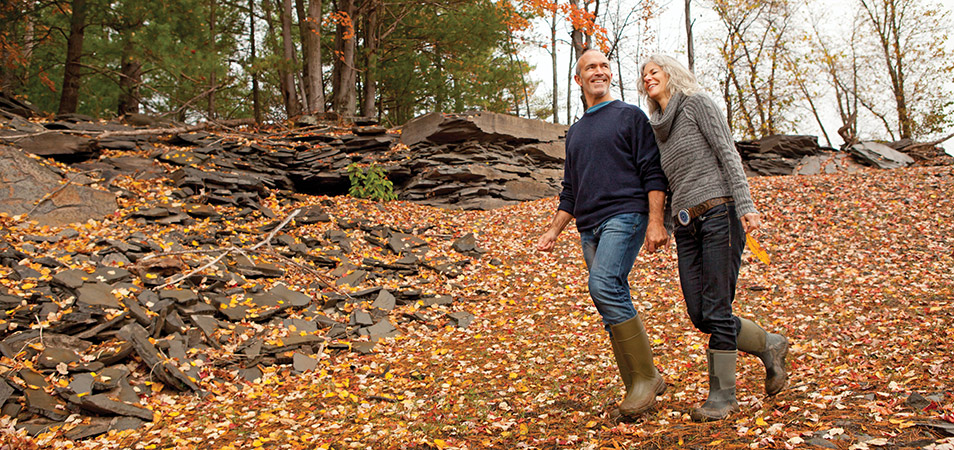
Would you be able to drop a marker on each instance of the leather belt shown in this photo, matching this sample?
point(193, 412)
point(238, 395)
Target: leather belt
point(685, 216)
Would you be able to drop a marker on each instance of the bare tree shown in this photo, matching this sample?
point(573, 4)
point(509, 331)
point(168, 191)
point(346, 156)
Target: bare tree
point(344, 73)
point(911, 39)
point(289, 90)
point(311, 54)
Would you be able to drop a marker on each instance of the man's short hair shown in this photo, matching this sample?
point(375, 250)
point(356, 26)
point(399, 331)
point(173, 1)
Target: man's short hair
point(585, 49)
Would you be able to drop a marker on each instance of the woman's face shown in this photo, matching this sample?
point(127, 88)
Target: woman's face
point(656, 81)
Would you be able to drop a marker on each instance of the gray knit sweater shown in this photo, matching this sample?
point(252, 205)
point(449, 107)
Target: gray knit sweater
point(698, 154)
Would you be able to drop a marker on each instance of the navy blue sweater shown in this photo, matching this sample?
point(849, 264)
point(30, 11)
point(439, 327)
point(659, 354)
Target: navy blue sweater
point(612, 163)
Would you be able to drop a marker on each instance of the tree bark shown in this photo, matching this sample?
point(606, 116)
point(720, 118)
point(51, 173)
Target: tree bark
point(311, 47)
point(553, 62)
point(371, 37)
point(344, 74)
point(210, 106)
point(289, 91)
point(689, 46)
point(256, 100)
point(69, 98)
point(130, 79)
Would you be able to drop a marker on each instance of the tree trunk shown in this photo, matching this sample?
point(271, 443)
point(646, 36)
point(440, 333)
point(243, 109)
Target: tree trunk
point(311, 47)
point(553, 63)
point(689, 46)
point(69, 98)
point(210, 107)
point(256, 100)
point(371, 36)
point(344, 75)
point(289, 91)
point(129, 79)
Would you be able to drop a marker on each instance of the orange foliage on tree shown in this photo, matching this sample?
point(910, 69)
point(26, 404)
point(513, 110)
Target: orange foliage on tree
point(580, 17)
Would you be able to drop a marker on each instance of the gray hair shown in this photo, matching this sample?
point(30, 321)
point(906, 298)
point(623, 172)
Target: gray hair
point(681, 80)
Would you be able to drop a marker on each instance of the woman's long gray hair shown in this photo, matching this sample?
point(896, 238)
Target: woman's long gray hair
point(680, 79)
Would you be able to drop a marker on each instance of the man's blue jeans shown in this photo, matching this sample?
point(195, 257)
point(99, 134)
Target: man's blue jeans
point(610, 250)
point(710, 254)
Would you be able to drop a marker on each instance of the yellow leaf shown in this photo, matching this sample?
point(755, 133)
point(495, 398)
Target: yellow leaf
point(756, 249)
point(760, 422)
point(716, 442)
point(591, 424)
point(440, 443)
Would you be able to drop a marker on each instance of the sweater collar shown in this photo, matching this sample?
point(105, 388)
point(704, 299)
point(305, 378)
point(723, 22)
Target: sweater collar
point(662, 121)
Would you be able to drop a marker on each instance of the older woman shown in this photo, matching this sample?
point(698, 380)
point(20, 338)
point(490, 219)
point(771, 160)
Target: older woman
point(713, 211)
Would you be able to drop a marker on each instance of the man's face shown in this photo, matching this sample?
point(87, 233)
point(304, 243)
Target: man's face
point(595, 74)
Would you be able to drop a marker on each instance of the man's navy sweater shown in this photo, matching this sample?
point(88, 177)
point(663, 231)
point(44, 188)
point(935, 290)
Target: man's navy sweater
point(612, 163)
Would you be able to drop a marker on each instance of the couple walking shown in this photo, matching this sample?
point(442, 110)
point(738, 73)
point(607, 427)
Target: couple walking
point(619, 166)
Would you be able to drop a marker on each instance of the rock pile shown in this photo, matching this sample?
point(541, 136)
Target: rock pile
point(91, 320)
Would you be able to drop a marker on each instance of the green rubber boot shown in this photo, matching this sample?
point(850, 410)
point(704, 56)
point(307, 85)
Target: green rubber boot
point(634, 357)
point(771, 348)
point(721, 402)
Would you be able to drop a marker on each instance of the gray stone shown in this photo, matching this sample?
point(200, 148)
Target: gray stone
point(385, 301)
point(72, 278)
point(46, 405)
point(363, 347)
point(880, 155)
point(382, 329)
point(303, 363)
point(361, 317)
point(461, 319)
point(34, 182)
point(290, 297)
point(353, 279)
point(110, 275)
point(82, 383)
point(51, 357)
point(98, 294)
point(102, 404)
point(5, 391)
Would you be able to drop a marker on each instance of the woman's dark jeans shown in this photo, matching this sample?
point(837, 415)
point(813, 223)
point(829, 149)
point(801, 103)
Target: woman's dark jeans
point(710, 254)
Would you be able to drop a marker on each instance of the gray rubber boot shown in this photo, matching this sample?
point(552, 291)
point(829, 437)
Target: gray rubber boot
point(771, 348)
point(635, 357)
point(721, 402)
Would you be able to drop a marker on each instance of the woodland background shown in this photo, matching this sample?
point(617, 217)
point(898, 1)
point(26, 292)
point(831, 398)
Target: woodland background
point(777, 66)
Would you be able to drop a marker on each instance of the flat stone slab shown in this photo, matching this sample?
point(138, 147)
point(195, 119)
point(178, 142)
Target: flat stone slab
point(98, 294)
point(102, 404)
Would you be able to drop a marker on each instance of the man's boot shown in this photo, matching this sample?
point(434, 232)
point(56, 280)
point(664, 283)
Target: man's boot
point(721, 401)
point(771, 348)
point(635, 360)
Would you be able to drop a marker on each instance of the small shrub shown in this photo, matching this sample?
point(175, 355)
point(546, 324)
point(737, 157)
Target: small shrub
point(372, 183)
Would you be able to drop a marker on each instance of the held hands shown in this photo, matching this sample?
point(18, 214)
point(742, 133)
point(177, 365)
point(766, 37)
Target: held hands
point(751, 222)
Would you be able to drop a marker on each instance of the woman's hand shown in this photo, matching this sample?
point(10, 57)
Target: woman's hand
point(751, 222)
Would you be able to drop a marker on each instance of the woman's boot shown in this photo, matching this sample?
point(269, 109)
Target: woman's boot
point(635, 360)
point(721, 401)
point(771, 348)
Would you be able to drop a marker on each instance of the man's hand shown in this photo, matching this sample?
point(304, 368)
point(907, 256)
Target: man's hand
point(751, 222)
point(547, 241)
point(656, 237)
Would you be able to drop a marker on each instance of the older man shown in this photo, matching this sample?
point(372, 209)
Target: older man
point(614, 186)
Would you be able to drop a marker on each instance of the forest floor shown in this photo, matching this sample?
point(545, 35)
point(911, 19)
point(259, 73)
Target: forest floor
point(861, 280)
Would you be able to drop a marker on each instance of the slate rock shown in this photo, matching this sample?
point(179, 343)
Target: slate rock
point(102, 404)
point(303, 363)
point(46, 405)
point(880, 155)
point(93, 426)
point(251, 374)
point(382, 329)
point(5, 391)
point(72, 278)
point(300, 325)
point(98, 294)
point(385, 301)
point(360, 317)
point(290, 297)
point(110, 275)
point(82, 383)
point(438, 301)
point(352, 279)
point(467, 245)
point(51, 357)
point(461, 319)
point(363, 347)
point(34, 181)
point(207, 324)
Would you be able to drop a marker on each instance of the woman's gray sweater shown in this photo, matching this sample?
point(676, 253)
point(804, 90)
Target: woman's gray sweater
point(698, 154)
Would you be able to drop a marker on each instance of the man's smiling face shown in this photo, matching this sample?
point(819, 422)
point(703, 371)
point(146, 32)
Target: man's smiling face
point(594, 76)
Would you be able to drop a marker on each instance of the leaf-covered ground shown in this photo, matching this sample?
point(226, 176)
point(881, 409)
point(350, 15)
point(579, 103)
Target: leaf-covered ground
point(861, 280)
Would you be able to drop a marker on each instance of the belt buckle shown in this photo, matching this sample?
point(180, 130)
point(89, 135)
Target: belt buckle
point(683, 216)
